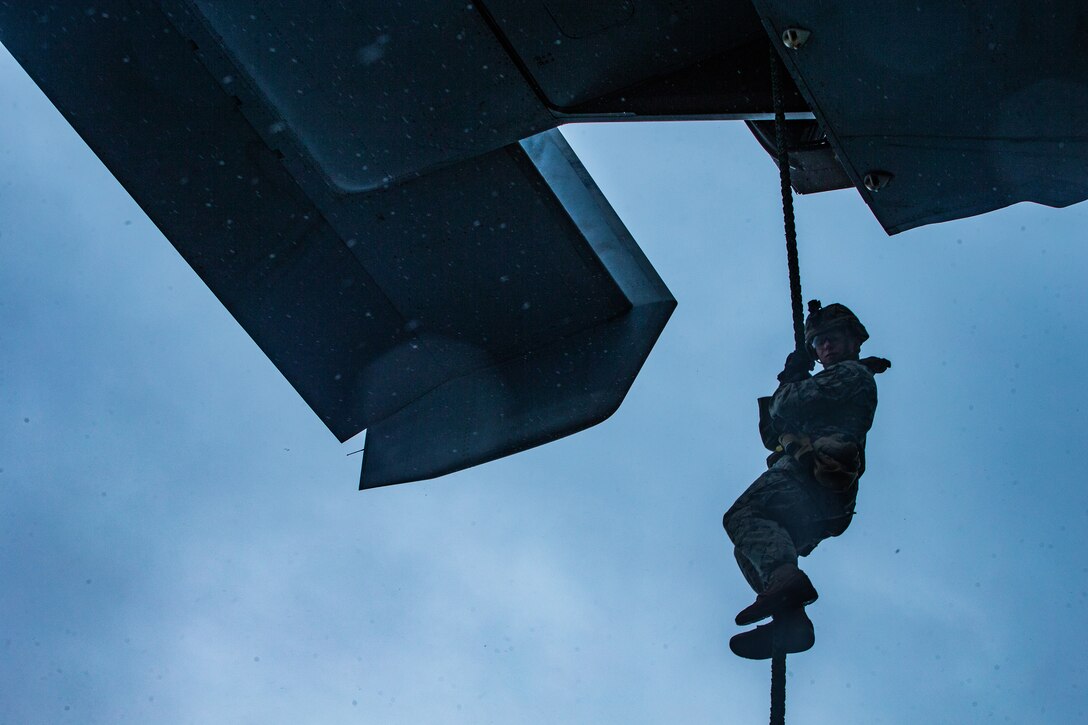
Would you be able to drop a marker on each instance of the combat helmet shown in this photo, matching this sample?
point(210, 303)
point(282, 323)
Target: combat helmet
point(821, 319)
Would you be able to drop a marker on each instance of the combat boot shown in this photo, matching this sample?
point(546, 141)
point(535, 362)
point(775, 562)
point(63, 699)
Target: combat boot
point(792, 627)
point(787, 588)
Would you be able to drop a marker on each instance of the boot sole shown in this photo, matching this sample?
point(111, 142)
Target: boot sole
point(758, 644)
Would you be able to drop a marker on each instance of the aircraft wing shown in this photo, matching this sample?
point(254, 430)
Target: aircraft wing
point(460, 303)
point(374, 191)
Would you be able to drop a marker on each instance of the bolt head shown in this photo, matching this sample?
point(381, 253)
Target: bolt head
point(877, 180)
point(794, 38)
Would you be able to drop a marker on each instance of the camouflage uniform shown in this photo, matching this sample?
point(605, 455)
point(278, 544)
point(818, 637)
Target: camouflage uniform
point(786, 512)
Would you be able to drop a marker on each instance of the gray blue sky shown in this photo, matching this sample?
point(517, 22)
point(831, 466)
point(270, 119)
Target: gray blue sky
point(181, 539)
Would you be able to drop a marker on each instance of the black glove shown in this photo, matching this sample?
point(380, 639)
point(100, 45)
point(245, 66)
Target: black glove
point(797, 367)
point(876, 365)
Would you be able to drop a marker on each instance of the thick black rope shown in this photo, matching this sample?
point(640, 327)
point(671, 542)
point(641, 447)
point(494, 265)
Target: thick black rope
point(778, 687)
point(787, 204)
point(778, 657)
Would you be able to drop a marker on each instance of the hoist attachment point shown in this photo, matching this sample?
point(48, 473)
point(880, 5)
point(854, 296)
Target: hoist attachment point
point(877, 180)
point(794, 38)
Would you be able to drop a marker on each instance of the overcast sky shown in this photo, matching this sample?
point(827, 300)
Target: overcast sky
point(182, 541)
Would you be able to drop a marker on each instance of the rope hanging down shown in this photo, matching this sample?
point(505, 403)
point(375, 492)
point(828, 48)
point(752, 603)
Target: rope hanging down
point(778, 686)
point(778, 657)
point(787, 203)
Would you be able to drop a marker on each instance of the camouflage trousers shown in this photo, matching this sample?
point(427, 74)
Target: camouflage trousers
point(784, 514)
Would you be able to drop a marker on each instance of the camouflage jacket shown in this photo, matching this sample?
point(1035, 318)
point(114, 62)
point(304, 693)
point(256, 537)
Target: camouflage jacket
point(840, 399)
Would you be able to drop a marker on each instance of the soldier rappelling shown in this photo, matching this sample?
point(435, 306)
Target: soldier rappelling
point(815, 427)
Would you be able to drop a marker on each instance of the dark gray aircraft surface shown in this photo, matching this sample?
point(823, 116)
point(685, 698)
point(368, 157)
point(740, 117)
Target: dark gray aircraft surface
point(376, 192)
